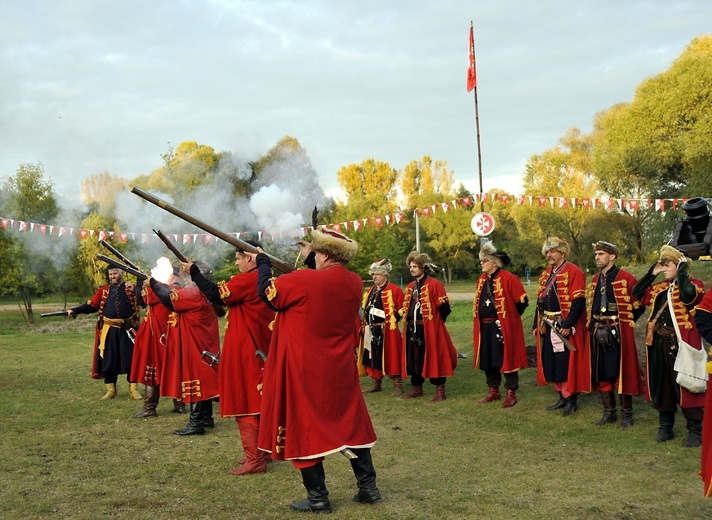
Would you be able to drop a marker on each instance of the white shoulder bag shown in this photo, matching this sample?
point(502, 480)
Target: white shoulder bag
point(690, 363)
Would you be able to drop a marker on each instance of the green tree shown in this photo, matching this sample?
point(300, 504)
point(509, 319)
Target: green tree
point(562, 172)
point(368, 179)
point(100, 190)
point(445, 235)
point(28, 268)
point(371, 188)
point(184, 170)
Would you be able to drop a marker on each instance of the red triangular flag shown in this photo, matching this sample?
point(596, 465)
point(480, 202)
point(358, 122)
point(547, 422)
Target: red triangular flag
point(471, 73)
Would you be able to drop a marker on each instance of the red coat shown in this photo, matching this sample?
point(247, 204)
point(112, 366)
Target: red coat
point(570, 285)
point(440, 354)
point(508, 290)
point(392, 299)
point(312, 403)
point(705, 306)
point(688, 331)
point(630, 379)
point(150, 341)
point(246, 331)
point(192, 328)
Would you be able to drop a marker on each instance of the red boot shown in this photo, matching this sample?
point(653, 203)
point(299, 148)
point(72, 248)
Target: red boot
point(493, 395)
point(439, 394)
point(249, 432)
point(415, 391)
point(511, 399)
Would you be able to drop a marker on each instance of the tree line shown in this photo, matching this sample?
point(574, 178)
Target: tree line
point(655, 146)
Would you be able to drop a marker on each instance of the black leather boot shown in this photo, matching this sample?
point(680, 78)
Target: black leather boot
point(317, 500)
point(365, 477)
point(207, 414)
point(667, 421)
point(571, 405)
point(694, 436)
point(610, 414)
point(558, 404)
point(626, 411)
point(195, 422)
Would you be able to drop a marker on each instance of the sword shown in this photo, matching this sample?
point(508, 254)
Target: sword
point(260, 353)
point(566, 341)
point(214, 358)
point(54, 313)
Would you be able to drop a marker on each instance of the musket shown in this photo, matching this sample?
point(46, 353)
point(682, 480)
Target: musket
point(219, 309)
point(54, 313)
point(118, 254)
point(171, 246)
point(118, 265)
point(278, 264)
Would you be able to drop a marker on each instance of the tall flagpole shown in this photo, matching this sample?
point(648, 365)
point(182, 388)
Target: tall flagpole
point(472, 85)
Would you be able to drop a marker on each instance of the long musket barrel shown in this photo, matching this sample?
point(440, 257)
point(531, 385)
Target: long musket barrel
point(236, 242)
point(218, 308)
point(53, 313)
point(118, 254)
point(118, 265)
point(171, 246)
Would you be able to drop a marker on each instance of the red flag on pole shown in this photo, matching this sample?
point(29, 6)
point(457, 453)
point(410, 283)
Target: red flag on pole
point(471, 73)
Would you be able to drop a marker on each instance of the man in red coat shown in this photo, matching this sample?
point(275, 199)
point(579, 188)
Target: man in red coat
point(429, 352)
point(247, 334)
point(381, 345)
point(560, 327)
point(312, 404)
point(683, 293)
point(703, 321)
point(500, 300)
point(190, 367)
point(614, 356)
point(113, 348)
point(150, 341)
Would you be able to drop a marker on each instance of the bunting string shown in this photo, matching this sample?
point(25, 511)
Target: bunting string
point(586, 203)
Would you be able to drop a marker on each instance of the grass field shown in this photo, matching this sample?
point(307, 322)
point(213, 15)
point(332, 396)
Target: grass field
point(66, 454)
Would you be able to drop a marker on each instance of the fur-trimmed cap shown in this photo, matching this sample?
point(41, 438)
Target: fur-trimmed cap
point(489, 252)
point(670, 254)
point(555, 244)
point(606, 247)
point(335, 245)
point(381, 267)
point(422, 260)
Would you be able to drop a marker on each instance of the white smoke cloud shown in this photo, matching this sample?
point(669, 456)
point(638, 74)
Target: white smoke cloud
point(276, 209)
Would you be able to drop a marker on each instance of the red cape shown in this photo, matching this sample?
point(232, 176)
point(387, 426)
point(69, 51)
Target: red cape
point(688, 330)
point(705, 306)
point(312, 403)
point(392, 298)
point(148, 349)
point(440, 355)
point(246, 331)
point(192, 328)
point(570, 285)
point(508, 290)
point(630, 378)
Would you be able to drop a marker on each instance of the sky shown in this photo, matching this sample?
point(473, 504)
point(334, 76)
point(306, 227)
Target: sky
point(88, 86)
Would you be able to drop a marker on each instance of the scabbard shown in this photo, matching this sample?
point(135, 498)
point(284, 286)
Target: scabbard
point(566, 341)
